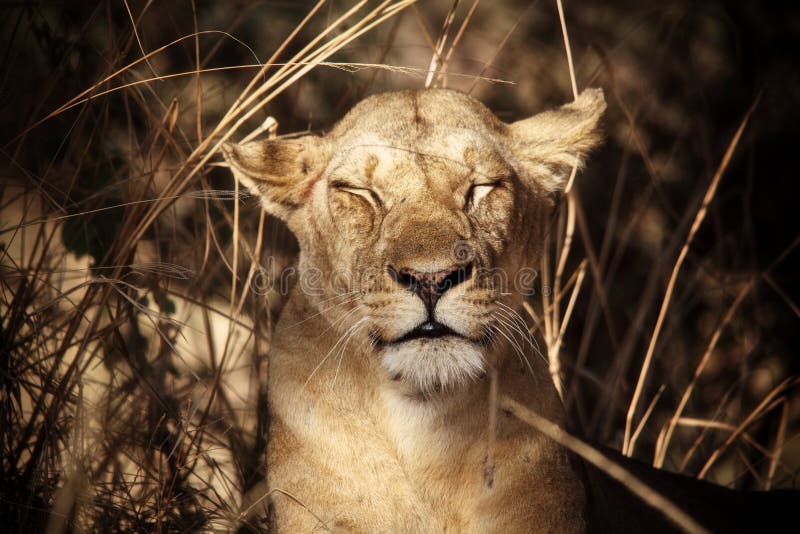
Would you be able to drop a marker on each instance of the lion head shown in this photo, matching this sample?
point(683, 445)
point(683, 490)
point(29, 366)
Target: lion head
point(416, 215)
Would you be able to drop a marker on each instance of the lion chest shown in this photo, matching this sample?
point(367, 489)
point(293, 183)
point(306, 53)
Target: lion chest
point(362, 465)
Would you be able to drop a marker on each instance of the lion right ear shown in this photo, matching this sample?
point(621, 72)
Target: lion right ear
point(280, 171)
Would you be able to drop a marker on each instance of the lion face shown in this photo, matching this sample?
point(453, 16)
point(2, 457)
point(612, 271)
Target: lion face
point(415, 216)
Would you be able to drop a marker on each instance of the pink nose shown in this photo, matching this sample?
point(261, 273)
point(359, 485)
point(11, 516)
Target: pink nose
point(429, 286)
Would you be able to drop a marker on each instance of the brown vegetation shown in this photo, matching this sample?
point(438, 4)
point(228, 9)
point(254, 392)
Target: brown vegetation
point(132, 341)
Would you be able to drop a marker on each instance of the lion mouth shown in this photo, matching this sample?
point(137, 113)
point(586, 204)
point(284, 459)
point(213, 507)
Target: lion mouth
point(428, 330)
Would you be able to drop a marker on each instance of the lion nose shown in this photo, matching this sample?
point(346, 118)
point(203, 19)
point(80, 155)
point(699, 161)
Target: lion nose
point(430, 285)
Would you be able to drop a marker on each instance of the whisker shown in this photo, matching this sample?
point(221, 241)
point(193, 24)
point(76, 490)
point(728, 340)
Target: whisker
point(326, 309)
point(518, 319)
point(338, 341)
point(511, 329)
point(341, 319)
point(352, 334)
point(522, 330)
point(523, 357)
point(498, 328)
point(347, 294)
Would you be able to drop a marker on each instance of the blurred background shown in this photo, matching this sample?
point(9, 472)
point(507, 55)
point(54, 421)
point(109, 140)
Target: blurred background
point(133, 345)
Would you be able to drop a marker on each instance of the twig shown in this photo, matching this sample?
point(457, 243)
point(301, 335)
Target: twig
point(629, 445)
point(596, 458)
point(661, 452)
point(437, 52)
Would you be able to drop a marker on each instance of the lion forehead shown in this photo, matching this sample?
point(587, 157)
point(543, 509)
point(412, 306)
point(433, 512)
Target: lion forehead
point(451, 157)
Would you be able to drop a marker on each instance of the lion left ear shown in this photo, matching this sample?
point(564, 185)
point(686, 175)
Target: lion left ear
point(548, 144)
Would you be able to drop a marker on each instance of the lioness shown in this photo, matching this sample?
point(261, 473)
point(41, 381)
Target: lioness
point(415, 216)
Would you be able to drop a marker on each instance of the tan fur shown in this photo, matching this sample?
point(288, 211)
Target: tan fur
point(372, 435)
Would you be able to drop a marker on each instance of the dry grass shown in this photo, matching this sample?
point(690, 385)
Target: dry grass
point(133, 345)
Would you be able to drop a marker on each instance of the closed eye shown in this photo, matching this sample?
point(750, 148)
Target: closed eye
point(478, 191)
point(357, 190)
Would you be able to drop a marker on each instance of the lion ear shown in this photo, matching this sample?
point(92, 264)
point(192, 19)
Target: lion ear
point(548, 144)
point(280, 171)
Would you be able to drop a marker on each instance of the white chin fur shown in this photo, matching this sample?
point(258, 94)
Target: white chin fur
point(431, 364)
